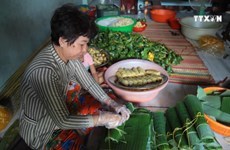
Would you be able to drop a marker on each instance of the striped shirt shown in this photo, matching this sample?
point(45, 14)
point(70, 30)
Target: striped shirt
point(43, 93)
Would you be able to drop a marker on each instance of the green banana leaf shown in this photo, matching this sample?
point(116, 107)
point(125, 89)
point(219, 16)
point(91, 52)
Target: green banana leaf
point(175, 124)
point(200, 92)
point(139, 133)
point(216, 105)
point(184, 117)
point(225, 104)
point(170, 139)
point(195, 110)
point(218, 114)
point(226, 93)
point(147, 130)
point(212, 100)
point(117, 134)
point(159, 123)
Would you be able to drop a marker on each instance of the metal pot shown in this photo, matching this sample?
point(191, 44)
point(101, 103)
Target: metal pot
point(195, 29)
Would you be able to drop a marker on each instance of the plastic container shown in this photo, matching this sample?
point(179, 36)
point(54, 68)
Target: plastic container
point(174, 23)
point(107, 10)
point(214, 125)
point(105, 27)
point(140, 29)
point(90, 10)
point(162, 15)
point(195, 29)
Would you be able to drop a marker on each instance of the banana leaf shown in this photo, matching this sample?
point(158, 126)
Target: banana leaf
point(130, 106)
point(170, 139)
point(153, 138)
point(226, 93)
point(139, 133)
point(216, 104)
point(212, 146)
point(212, 100)
point(195, 110)
point(184, 117)
point(225, 105)
point(175, 124)
point(159, 123)
point(117, 134)
point(218, 114)
point(200, 92)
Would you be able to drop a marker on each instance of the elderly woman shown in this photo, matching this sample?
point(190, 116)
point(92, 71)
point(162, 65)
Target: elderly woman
point(52, 84)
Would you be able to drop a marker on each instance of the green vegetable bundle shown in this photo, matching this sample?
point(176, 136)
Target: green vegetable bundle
point(175, 124)
point(196, 111)
point(170, 139)
point(180, 127)
point(122, 45)
point(159, 123)
point(184, 117)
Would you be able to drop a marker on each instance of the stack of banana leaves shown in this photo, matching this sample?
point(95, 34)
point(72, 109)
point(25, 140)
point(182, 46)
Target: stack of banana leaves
point(121, 45)
point(134, 134)
point(180, 127)
point(216, 104)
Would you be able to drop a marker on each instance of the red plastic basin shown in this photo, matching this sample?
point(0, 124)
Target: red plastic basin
point(162, 15)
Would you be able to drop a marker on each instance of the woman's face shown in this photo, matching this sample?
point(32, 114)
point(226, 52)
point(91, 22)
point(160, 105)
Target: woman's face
point(74, 51)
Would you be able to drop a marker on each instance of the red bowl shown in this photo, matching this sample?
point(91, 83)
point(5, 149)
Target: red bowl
point(174, 23)
point(140, 29)
point(162, 15)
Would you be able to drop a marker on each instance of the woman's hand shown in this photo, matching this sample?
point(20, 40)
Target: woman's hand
point(119, 108)
point(107, 119)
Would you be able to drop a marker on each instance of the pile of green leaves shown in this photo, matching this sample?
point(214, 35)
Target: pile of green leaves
point(134, 134)
point(216, 104)
point(122, 45)
point(180, 127)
